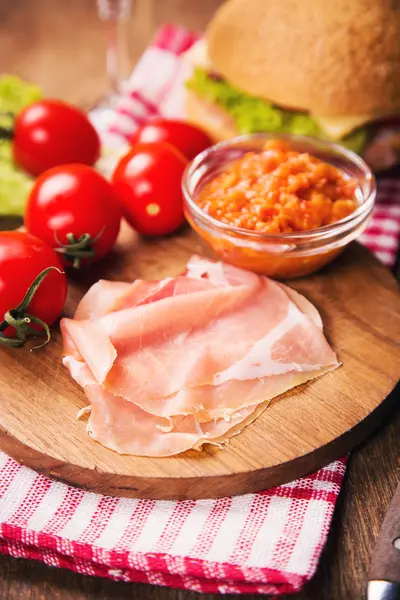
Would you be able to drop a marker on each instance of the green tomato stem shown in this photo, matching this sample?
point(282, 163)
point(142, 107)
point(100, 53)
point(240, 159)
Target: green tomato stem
point(77, 249)
point(21, 320)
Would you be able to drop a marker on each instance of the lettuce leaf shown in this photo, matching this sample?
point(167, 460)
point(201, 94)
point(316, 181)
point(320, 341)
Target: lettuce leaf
point(356, 140)
point(253, 115)
point(15, 185)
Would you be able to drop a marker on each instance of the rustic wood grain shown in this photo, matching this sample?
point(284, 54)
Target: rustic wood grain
point(33, 47)
point(302, 430)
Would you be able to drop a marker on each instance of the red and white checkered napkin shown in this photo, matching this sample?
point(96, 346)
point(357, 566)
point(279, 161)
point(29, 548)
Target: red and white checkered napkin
point(258, 543)
point(266, 543)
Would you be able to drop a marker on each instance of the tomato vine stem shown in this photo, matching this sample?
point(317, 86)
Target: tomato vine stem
point(21, 320)
point(77, 249)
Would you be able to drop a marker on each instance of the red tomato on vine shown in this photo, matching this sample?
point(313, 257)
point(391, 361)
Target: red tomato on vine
point(33, 288)
point(48, 133)
point(185, 137)
point(148, 183)
point(75, 210)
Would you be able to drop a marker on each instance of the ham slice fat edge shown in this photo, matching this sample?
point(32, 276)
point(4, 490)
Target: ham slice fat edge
point(171, 365)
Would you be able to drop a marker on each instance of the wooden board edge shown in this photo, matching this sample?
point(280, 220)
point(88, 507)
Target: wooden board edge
point(158, 488)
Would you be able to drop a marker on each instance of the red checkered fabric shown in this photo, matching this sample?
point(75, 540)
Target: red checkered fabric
point(267, 543)
point(383, 234)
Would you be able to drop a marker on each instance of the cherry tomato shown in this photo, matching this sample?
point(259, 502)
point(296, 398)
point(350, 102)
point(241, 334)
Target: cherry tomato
point(148, 184)
point(187, 138)
point(22, 258)
point(48, 133)
point(76, 211)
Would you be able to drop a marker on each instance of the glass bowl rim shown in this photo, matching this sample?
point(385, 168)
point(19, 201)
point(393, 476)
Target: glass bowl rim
point(363, 210)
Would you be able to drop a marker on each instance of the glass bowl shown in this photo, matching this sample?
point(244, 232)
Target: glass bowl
point(282, 255)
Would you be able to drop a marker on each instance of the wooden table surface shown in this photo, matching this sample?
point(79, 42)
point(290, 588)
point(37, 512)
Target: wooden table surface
point(60, 45)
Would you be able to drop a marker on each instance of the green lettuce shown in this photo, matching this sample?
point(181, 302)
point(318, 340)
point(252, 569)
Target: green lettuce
point(252, 114)
point(356, 140)
point(15, 185)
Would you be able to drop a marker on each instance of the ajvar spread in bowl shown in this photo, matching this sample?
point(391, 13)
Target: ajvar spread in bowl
point(281, 206)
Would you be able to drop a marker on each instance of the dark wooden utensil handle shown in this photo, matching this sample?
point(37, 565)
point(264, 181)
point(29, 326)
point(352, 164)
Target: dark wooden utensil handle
point(385, 564)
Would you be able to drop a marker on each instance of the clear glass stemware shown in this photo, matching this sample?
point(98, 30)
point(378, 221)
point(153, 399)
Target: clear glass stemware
point(116, 15)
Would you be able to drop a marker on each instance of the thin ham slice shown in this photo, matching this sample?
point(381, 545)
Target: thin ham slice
point(113, 421)
point(105, 297)
point(127, 429)
point(202, 352)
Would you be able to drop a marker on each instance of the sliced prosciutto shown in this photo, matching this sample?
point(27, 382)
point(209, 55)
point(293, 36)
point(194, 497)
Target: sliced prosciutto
point(124, 427)
point(201, 352)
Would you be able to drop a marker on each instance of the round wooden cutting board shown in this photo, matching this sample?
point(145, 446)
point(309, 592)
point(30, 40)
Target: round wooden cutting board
point(299, 432)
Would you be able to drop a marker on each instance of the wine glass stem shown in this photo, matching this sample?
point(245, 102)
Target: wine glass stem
point(116, 14)
point(112, 57)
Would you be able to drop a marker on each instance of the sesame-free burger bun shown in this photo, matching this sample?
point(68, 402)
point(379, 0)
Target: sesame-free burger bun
point(328, 57)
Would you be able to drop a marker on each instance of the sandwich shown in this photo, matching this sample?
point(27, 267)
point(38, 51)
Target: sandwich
point(329, 70)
